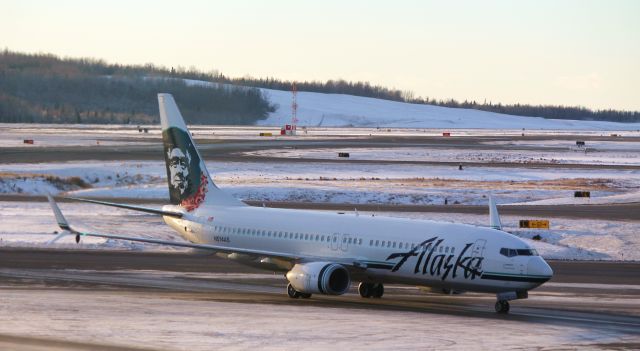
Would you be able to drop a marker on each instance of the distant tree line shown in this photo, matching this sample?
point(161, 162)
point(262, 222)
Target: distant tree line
point(45, 88)
point(545, 111)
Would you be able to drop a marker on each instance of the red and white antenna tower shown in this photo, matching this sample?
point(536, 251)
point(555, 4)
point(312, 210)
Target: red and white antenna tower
point(294, 108)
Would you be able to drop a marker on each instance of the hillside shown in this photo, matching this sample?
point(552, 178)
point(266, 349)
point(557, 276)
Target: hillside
point(47, 89)
point(316, 109)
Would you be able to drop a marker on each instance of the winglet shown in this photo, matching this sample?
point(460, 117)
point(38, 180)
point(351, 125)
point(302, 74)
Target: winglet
point(494, 216)
point(62, 222)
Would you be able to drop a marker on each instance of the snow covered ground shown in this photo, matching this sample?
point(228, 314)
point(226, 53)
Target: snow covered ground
point(331, 182)
point(630, 155)
point(591, 145)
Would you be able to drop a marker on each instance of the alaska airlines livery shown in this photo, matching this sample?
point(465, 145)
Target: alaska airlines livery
point(322, 253)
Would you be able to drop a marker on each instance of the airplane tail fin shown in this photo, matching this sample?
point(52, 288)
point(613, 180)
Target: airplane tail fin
point(190, 184)
point(494, 216)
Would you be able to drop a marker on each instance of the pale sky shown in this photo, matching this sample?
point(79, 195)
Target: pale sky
point(577, 52)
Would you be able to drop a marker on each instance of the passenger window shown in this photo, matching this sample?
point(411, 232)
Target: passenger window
point(394, 244)
point(335, 239)
point(452, 249)
point(371, 242)
point(388, 243)
point(382, 243)
point(446, 249)
point(360, 241)
point(377, 242)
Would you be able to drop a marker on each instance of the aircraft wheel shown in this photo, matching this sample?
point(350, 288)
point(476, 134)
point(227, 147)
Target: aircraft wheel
point(305, 295)
point(502, 306)
point(365, 289)
point(378, 290)
point(293, 293)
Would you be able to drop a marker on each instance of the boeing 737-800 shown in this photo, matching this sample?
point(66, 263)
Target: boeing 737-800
point(323, 253)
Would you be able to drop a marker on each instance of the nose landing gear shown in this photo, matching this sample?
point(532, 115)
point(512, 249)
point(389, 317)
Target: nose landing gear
point(502, 305)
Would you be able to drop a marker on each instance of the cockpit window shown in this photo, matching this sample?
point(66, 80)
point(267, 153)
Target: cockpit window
point(518, 252)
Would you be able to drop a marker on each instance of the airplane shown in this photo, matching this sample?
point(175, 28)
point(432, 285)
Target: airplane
point(322, 252)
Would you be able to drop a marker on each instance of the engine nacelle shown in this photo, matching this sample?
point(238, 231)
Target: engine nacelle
point(320, 278)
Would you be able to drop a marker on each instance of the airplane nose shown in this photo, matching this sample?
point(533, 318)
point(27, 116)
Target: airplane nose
point(538, 266)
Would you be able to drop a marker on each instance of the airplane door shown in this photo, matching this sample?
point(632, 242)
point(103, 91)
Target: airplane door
point(335, 241)
point(478, 249)
point(344, 245)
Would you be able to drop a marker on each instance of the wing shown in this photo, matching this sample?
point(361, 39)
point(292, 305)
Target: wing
point(64, 225)
point(353, 264)
point(130, 207)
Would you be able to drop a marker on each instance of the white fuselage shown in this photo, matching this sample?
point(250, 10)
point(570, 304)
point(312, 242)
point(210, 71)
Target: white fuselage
point(417, 252)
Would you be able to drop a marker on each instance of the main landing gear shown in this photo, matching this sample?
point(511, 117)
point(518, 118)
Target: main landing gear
point(295, 294)
point(502, 306)
point(375, 290)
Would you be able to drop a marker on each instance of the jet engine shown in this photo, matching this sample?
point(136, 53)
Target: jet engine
point(320, 277)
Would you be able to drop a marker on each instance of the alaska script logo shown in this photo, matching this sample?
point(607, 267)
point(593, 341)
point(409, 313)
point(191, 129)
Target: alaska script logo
point(440, 265)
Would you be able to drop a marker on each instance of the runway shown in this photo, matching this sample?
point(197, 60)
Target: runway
point(233, 151)
point(598, 301)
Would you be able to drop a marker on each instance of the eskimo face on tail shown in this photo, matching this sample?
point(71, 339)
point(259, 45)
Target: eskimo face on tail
point(179, 168)
point(187, 182)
